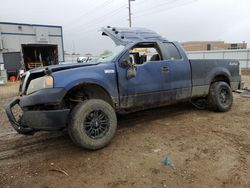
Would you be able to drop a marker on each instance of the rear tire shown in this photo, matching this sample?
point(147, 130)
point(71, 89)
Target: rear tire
point(220, 97)
point(93, 124)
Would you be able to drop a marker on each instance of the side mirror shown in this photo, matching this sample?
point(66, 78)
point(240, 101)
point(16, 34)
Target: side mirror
point(126, 64)
point(131, 72)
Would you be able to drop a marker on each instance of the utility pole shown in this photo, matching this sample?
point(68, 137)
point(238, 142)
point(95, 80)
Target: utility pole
point(129, 13)
point(73, 42)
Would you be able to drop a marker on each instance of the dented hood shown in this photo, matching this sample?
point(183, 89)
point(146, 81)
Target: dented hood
point(60, 67)
point(124, 36)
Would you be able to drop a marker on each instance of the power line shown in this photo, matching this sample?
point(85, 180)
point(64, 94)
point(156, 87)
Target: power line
point(101, 19)
point(92, 25)
point(103, 5)
point(165, 8)
point(96, 28)
point(157, 6)
point(93, 22)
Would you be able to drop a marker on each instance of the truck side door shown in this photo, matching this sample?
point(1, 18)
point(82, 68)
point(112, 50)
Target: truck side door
point(179, 69)
point(151, 84)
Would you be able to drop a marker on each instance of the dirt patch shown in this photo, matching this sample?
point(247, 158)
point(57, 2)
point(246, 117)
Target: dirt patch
point(245, 72)
point(9, 90)
point(208, 149)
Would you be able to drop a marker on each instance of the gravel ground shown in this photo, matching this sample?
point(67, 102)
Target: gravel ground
point(208, 149)
point(9, 90)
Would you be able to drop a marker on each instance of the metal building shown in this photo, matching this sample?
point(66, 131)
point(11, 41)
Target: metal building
point(29, 46)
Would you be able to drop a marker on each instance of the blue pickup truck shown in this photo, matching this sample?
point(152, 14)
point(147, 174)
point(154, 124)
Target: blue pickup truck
point(145, 70)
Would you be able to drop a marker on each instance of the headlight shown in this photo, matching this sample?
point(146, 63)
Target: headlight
point(40, 83)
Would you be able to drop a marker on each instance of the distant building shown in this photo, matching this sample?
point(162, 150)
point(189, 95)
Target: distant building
point(29, 46)
point(211, 45)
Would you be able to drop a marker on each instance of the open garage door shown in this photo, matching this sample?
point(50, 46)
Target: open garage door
point(37, 55)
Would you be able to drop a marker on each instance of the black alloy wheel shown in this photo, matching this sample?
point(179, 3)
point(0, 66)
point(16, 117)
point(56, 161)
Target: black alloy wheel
point(92, 124)
point(224, 96)
point(96, 124)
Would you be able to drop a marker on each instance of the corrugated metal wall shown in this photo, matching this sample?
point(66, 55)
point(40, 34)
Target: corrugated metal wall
point(243, 55)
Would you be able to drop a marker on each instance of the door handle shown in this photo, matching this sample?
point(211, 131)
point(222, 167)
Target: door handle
point(164, 69)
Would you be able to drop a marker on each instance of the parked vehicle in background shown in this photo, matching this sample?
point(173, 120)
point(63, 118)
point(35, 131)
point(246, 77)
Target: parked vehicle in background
point(144, 71)
point(83, 59)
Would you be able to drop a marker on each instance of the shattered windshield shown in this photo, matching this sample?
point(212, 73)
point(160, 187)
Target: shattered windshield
point(109, 56)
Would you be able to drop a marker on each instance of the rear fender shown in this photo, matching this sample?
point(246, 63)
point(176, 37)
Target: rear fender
point(218, 71)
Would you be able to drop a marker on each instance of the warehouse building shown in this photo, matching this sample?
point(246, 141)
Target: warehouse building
point(29, 45)
point(212, 45)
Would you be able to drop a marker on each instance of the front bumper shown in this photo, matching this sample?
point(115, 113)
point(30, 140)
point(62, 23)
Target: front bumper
point(16, 125)
point(34, 118)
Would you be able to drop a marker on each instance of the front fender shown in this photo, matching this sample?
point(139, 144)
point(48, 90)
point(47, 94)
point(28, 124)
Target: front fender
point(92, 75)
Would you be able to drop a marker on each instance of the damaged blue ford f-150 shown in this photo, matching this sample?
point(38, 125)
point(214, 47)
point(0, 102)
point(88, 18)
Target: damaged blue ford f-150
point(144, 71)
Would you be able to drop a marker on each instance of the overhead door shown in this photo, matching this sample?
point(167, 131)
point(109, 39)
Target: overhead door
point(12, 62)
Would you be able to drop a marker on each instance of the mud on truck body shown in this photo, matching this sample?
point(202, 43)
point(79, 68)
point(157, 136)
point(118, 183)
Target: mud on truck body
point(144, 71)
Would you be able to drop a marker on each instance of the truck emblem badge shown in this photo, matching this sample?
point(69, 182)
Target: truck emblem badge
point(233, 64)
point(109, 71)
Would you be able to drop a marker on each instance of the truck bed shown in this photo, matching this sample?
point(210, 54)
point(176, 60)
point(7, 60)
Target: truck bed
point(204, 71)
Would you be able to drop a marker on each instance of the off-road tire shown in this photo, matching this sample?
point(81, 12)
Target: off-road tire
point(77, 128)
point(215, 97)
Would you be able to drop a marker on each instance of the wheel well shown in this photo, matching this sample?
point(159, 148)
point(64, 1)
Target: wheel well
point(82, 92)
point(221, 78)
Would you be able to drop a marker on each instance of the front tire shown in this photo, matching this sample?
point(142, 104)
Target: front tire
point(220, 97)
point(93, 124)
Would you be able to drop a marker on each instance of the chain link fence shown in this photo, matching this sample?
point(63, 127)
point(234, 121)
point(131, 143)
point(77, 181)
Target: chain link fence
point(243, 55)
